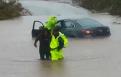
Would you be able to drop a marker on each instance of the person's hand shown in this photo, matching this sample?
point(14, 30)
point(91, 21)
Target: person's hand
point(53, 49)
point(58, 48)
point(35, 44)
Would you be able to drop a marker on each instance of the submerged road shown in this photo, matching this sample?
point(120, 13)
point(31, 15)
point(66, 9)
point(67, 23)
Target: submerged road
point(84, 57)
point(99, 57)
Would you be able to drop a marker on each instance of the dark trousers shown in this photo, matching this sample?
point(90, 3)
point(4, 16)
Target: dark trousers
point(44, 53)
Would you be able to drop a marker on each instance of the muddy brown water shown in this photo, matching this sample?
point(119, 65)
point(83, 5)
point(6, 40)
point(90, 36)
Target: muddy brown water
point(83, 57)
point(100, 57)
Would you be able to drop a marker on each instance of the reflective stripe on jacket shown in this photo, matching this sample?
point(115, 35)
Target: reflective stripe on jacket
point(64, 38)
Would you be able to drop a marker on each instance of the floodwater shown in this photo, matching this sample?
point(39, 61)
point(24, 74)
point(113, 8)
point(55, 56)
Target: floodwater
point(100, 57)
point(48, 8)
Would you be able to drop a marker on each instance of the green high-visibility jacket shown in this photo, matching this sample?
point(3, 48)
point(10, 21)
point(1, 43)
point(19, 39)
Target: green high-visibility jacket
point(51, 22)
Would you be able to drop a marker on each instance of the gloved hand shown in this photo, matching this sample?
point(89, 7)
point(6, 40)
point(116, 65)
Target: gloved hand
point(53, 48)
point(59, 48)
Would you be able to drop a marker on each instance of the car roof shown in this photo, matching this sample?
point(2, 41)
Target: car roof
point(85, 21)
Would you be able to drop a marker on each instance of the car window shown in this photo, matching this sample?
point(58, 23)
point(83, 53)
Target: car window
point(59, 24)
point(88, 23)
point(69, 24)
point(37, 25)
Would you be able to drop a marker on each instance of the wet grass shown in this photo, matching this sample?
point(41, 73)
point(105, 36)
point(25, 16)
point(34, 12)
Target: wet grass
point(9, 10)
point(111, 6)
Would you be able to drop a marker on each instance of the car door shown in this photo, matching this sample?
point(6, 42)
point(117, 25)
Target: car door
point(35, 28)
point(69, 28)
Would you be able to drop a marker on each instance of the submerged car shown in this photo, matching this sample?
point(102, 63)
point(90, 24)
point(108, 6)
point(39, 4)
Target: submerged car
point(84, 27)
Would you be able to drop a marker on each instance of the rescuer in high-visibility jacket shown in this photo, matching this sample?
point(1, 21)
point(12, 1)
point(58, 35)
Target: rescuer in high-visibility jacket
point(58, 42)
point(51, 22)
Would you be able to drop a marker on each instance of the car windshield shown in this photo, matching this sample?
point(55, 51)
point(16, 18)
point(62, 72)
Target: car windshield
point(88, 22)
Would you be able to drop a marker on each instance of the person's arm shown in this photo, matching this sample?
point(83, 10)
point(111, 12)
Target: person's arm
point(41, 28)
point(61, 43)
point(37, 39)
point(35, 43)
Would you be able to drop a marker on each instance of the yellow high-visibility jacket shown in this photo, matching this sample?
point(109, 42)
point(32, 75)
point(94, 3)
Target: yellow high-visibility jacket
point(54, 41)
point(55, 54)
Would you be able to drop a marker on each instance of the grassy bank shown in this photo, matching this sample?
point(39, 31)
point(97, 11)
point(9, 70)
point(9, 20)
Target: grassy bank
point(111, 6)
point(9, 9)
